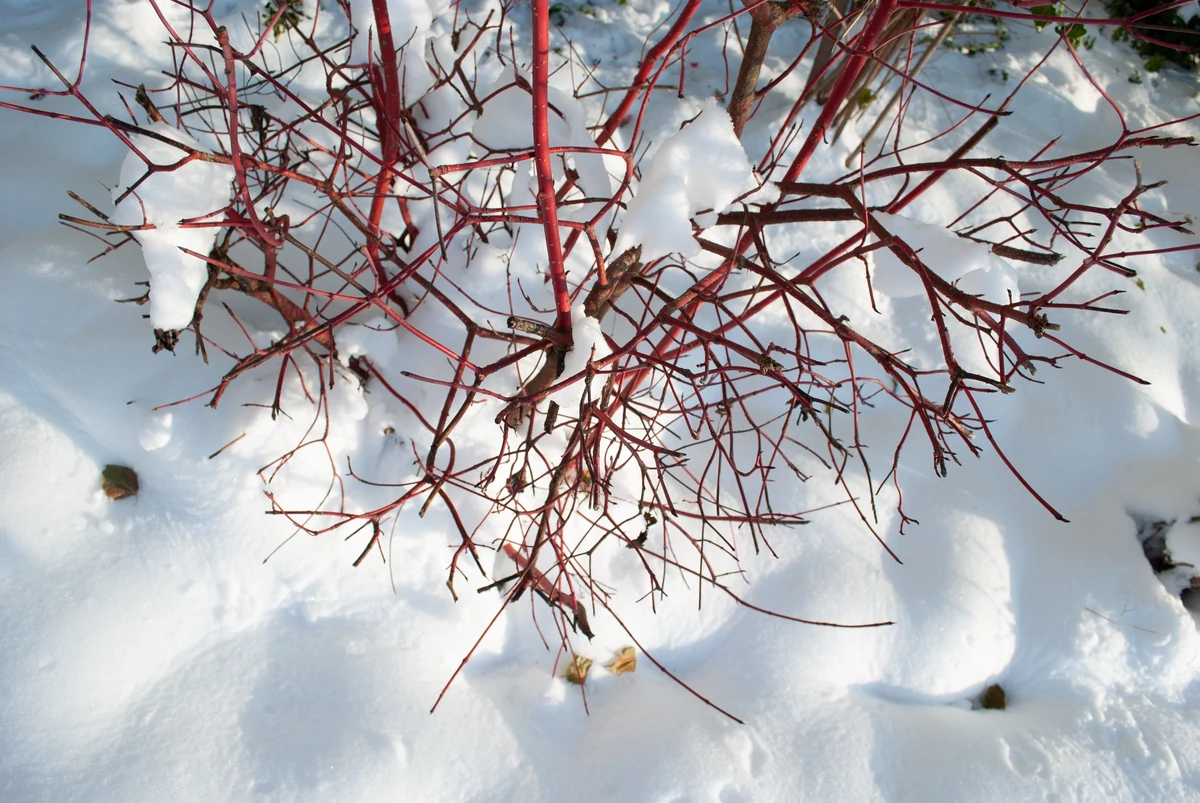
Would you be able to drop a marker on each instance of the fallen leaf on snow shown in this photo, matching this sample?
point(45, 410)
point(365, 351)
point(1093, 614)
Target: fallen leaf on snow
point(577, 670)
point(626, 661)
point(119, 482)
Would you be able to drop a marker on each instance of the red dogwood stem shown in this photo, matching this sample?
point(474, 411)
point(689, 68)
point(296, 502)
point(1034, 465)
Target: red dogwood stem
point(387, 113)
point(643, 73)
point(546, 202)
point(862, 49)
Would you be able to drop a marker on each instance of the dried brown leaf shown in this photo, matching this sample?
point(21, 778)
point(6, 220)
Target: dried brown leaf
point(993, 698)
point(626, 661)
point(119, 482)
point(577, 670)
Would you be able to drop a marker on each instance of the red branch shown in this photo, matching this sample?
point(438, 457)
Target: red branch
point(546, 201)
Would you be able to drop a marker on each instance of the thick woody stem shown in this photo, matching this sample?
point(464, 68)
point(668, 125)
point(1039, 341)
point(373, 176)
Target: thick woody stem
point(387, 113)
point(546, 202)
point(766, 18)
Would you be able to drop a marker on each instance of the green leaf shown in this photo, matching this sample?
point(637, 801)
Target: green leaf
point(1043, 11)
point(293, 14)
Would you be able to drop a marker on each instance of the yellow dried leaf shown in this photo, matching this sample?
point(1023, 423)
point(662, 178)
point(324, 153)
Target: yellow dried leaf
point(626, 661)
point(577, 670)
point(118, 482)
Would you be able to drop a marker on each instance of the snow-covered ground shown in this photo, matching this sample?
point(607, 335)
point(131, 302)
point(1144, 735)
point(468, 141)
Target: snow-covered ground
point(150, 653)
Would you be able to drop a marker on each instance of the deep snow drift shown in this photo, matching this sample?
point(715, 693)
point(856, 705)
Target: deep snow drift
point(151, 654)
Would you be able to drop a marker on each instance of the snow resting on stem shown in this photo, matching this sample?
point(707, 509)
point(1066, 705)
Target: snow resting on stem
point(166, 199)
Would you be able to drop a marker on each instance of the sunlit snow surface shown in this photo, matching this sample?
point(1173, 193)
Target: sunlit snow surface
point(149, 654)
point(701, 168)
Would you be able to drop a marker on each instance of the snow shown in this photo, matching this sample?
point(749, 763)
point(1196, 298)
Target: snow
point(969, 265)
point(182, 645)
point(197, 191)
point(411, 22)
point(507, 124)
point(702, 167)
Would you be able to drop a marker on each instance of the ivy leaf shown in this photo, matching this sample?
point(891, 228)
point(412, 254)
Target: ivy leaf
point(1044, 11)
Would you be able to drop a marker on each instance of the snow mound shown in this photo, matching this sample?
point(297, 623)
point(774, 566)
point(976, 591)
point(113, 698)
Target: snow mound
point(703, 166)
point(507, 123)
point(197, 189)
